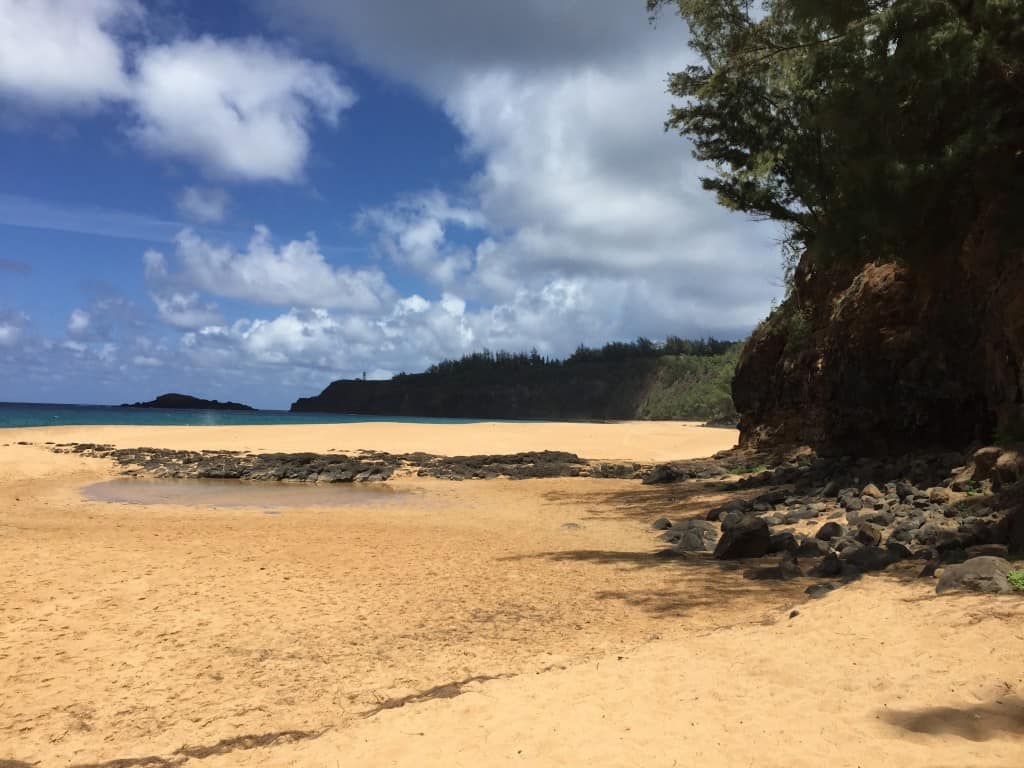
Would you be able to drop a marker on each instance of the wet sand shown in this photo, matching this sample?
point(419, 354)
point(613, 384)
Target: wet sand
point(481, 623)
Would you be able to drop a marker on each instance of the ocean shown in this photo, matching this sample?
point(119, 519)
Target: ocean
point(47, 415)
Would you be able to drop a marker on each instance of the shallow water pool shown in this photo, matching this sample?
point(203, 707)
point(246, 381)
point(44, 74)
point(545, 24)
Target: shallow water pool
point(234, 493)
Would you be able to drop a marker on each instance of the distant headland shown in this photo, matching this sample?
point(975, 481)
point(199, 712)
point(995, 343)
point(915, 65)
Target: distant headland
point(174, 400)
point(678, 379)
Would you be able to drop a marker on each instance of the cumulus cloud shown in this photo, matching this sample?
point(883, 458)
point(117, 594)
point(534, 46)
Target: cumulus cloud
point(296, 273)
point(78, 323)
point(414, 233)
point(204, 204)
point(12, 326)
point(63, 53)
point(237, 108)
point(581, 193)
point(185, 310)
point(241, 109)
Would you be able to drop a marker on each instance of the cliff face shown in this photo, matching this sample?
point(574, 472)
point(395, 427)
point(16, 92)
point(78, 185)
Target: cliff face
point(883, 357)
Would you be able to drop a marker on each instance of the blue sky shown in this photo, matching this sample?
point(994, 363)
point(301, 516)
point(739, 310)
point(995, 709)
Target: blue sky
point(248, 200)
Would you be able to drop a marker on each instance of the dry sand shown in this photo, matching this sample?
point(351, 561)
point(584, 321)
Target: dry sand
point(165, 635)
point(643, 441)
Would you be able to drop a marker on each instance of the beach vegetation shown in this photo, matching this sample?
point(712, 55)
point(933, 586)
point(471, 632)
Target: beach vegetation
point(871, 129)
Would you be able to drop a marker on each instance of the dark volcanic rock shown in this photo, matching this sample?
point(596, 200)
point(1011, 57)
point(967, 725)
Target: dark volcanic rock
point(692, 536)
point(750, 537)
point(663, 473)
point(979, 574)
point(174, 400)
point(830, 531)
point(661, 524)
point(811, 547)
point(869, 535)
point(783, 541)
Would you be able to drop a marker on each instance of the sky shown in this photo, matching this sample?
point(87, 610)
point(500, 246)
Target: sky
point(247, 200)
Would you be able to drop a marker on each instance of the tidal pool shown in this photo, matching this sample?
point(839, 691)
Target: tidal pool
point(234, 493)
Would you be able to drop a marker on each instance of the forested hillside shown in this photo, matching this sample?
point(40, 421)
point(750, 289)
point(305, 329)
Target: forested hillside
point(678, 379)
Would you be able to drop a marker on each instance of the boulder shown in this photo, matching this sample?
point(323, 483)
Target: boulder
point(871, 490)
point(1009, 467)
point(905, 490)
point(695, 536)
point(979, 574)
point(882, 517)
point(829, 566)
point(661, 524)
point(934, 533)
point(869, 535)
point(811, 547)
point(984, 462)
point(730, 519)
point(783, 541)
point(1015, 532)
point(830, 531)
point(939, 495)
point(851, 503)
point(749, 537)
point(868, 558)
point(992, 550)
point(662, 473)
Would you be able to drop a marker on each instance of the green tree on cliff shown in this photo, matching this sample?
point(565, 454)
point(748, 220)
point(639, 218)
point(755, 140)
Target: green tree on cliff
point(870, 128)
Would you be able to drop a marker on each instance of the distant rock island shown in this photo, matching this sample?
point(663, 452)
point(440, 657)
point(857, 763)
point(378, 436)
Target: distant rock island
point(675, 379)
point(174, 400)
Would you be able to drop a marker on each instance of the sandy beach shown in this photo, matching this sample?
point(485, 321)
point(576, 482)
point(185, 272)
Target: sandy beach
point(473, 623)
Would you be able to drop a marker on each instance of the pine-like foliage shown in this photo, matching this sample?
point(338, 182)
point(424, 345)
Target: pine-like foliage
point(870, 128)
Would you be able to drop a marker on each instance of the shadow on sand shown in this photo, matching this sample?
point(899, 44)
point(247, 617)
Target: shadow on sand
point(980, 722)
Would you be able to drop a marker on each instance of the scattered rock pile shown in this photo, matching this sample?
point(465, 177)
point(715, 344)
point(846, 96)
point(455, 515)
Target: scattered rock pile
point(841, 530)
point(367, 466)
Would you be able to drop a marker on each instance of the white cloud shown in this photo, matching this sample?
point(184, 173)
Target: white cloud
point(587, 221)
point(78, 323)
point(204, 204)
point(185, 310)
point(10, 332)
point(237, 108)
point(295, 274)
point(240, 109)
point(415, 233)
point(63, 53)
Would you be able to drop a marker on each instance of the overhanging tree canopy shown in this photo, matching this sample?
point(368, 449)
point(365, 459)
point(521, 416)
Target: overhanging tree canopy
point(868, 127)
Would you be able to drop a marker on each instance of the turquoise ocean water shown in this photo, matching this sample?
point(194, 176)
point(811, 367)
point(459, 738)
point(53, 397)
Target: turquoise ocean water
point(43, 415)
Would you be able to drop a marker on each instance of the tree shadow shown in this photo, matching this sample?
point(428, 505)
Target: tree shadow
point(677, 501)
point(980, 722)
point(693, 582)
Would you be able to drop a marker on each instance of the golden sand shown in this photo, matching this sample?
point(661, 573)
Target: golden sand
point(481, 623)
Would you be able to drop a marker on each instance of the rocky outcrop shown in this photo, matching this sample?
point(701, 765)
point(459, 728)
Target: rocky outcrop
point(187, 402)
point(366, 466)
point(979, 574)
point(880, 358)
